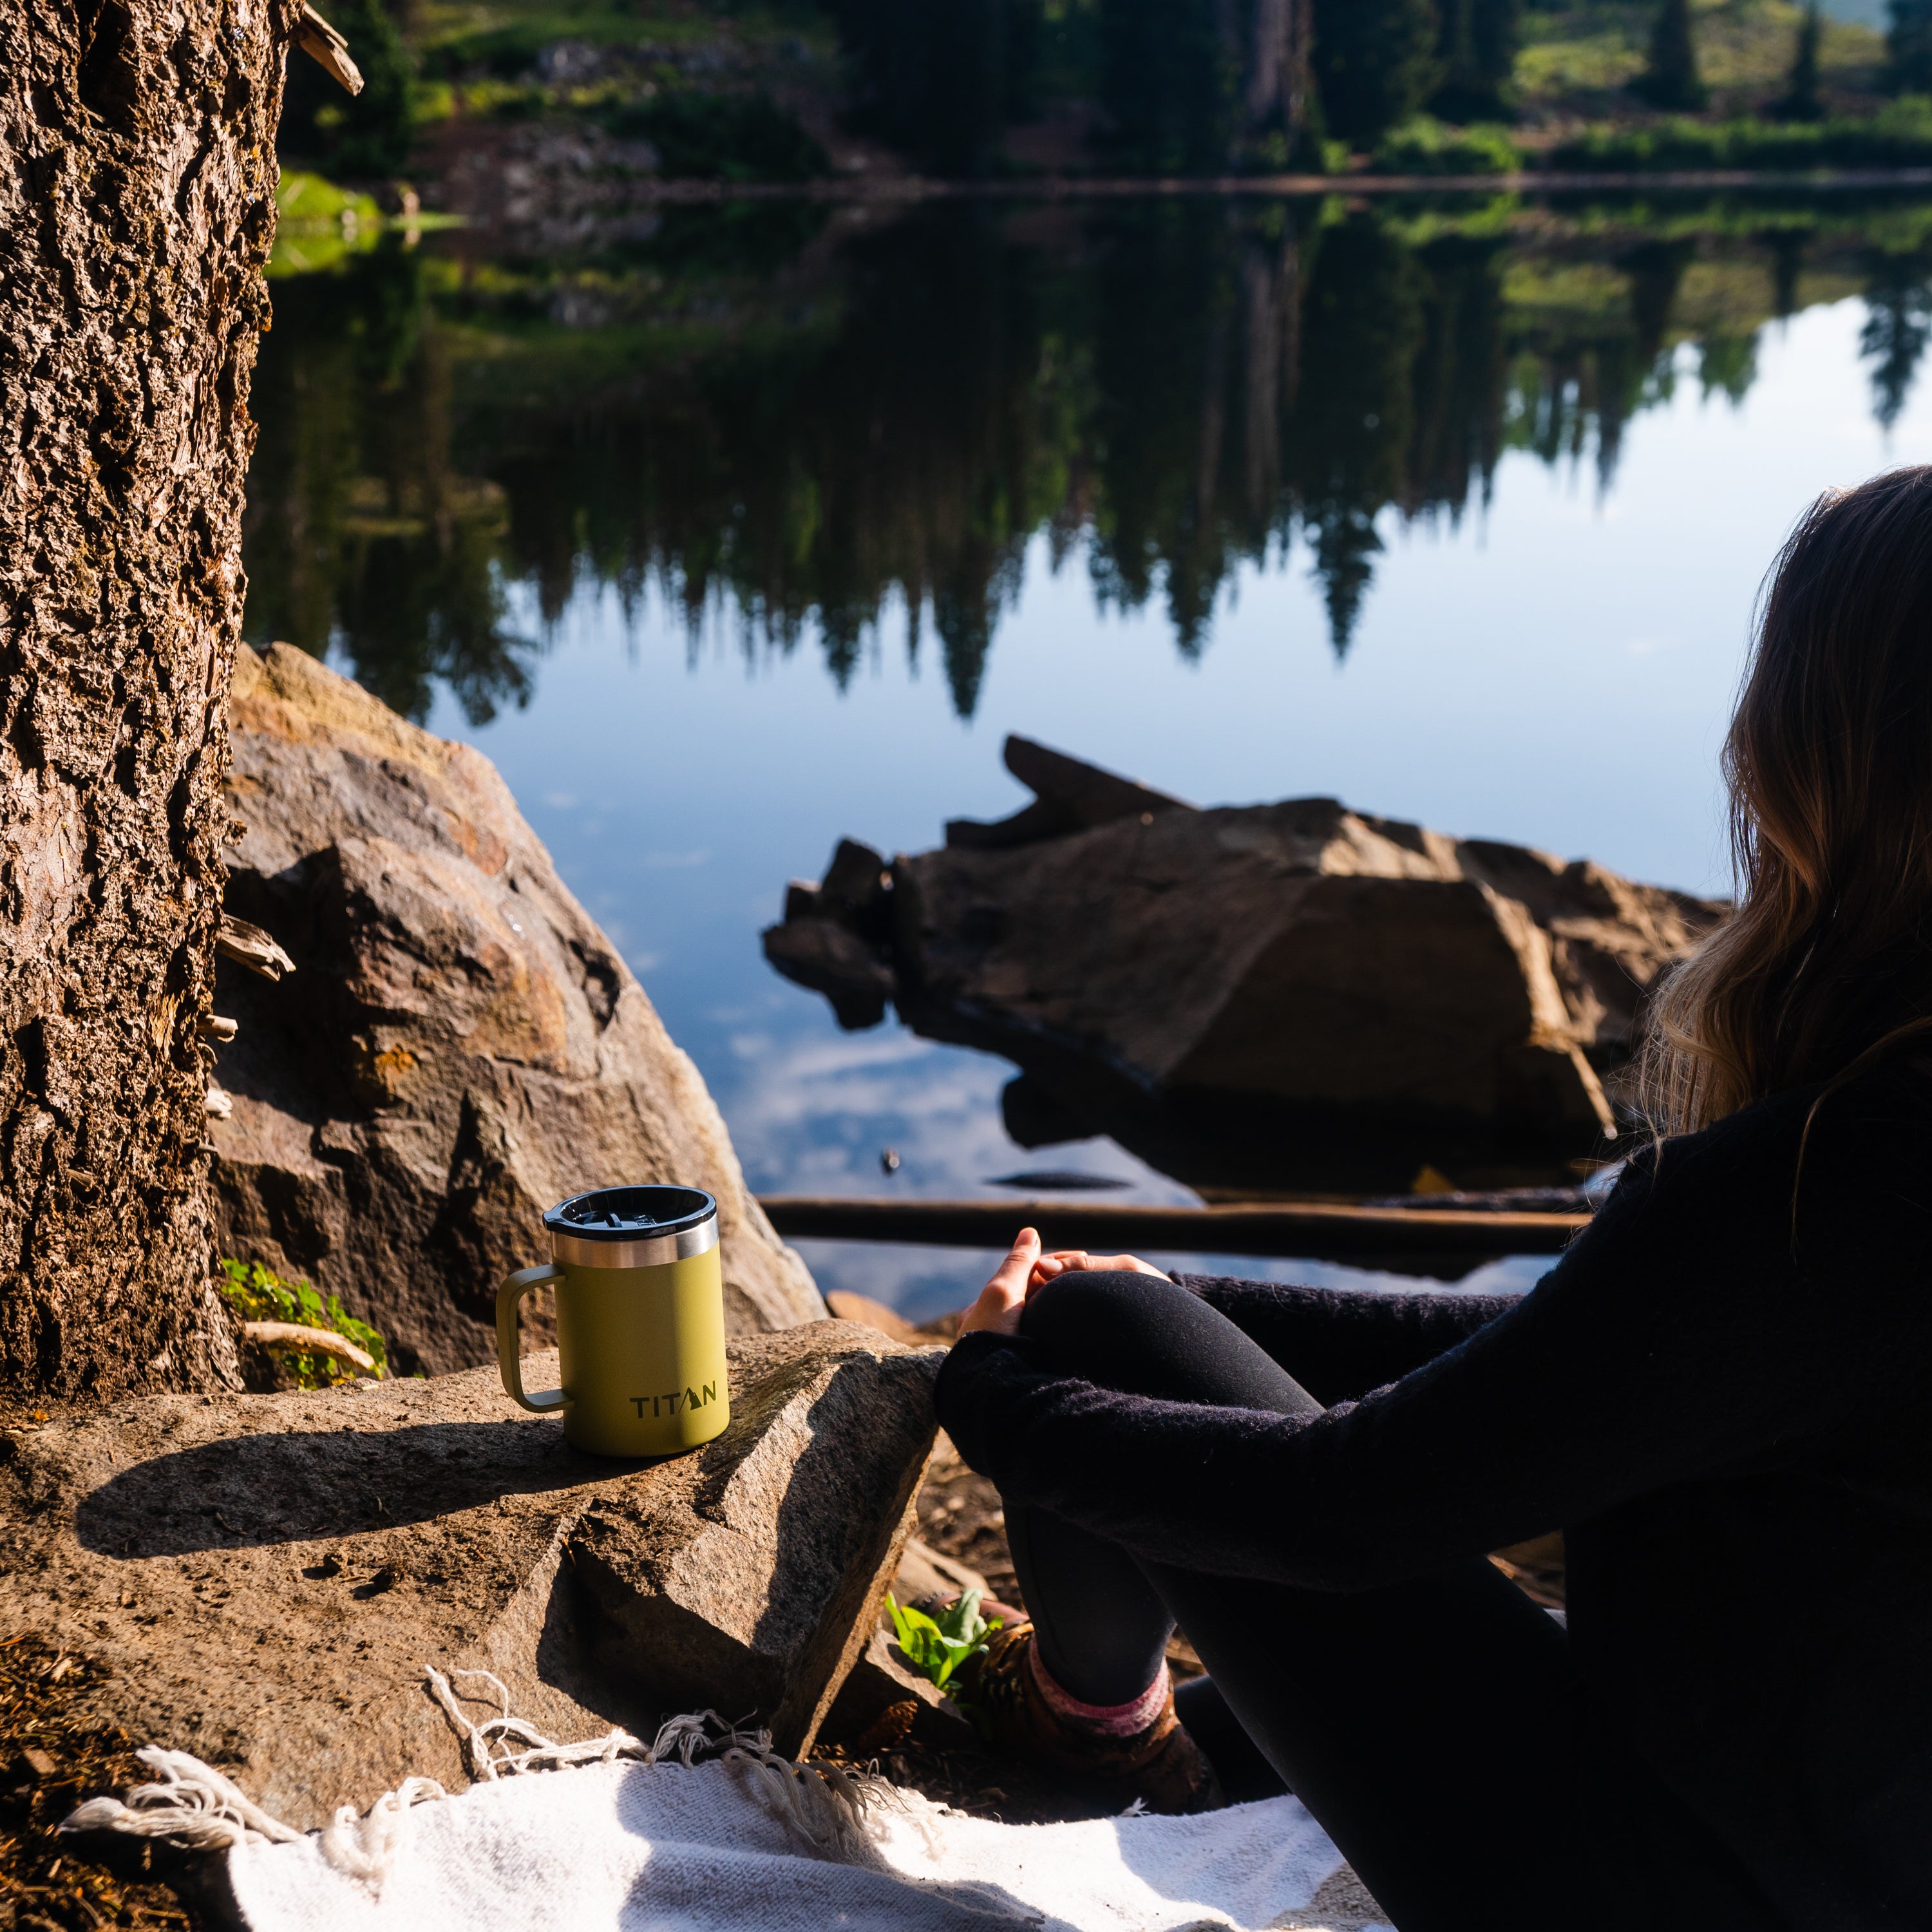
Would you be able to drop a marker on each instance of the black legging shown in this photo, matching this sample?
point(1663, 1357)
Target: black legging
point(1434, 1728)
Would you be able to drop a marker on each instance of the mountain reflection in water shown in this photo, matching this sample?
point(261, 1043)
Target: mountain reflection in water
point(814, 418)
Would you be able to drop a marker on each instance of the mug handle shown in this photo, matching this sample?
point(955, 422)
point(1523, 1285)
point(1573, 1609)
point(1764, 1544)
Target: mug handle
point(509, 1346)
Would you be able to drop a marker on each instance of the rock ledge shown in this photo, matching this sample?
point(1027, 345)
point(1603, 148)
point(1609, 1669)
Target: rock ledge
point(265, 1576)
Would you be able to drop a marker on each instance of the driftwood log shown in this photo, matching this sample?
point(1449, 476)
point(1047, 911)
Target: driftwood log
point(311, 1341)
point(1446, 1241)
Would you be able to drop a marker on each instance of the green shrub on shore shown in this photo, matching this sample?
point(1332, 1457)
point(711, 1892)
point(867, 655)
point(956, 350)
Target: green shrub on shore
point(1424, 145)
point(1900, 136)
point(257, 1294)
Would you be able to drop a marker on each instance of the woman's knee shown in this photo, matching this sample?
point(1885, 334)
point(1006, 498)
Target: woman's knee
point(1145, 1335)
point(1074, 1310)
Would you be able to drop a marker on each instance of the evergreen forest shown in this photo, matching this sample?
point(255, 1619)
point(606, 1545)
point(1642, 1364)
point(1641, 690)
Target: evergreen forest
point(777, 91)
point(844, 435)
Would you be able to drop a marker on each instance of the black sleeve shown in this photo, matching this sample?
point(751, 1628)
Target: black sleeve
point(1340, 1343)
point(1675, 1338)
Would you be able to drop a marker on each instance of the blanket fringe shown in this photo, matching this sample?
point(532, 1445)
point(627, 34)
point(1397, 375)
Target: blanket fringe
point(827, 1806)
point(190, 1804)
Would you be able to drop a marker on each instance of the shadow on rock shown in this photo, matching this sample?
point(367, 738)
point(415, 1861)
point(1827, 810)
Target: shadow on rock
point(248, 1491)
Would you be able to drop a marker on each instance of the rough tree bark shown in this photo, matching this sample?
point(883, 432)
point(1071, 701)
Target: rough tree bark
point(136, 210)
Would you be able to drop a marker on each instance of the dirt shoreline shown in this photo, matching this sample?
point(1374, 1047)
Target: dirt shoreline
point(908, 187)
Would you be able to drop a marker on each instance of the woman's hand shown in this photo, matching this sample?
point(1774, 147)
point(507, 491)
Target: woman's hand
point(1078, 1261)
point(1004, 1298)
point(1025, 1271)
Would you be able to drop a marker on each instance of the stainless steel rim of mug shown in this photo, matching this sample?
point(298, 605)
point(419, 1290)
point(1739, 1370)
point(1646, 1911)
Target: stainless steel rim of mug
point(647, 1251)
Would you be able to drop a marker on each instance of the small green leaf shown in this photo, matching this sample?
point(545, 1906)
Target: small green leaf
point(938, 1649)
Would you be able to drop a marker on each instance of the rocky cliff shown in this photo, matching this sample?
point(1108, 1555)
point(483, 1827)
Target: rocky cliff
point(459, 1047)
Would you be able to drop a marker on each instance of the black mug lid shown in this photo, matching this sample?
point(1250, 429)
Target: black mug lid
point(630, 1213)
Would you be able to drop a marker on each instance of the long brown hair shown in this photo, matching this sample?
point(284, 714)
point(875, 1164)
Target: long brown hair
point(1826, 965)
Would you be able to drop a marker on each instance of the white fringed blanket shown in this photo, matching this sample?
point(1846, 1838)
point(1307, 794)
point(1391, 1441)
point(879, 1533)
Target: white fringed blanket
point(661, 1848)
point(616, 1836)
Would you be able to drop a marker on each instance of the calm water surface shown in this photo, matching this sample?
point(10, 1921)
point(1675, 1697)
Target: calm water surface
point(729, 537)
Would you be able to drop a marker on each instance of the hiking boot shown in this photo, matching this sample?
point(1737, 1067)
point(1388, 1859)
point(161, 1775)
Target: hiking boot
point(1017, 1708)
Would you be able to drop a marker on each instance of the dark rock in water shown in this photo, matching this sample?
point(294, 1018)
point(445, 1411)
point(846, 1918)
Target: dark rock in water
point(1260, 995)
point(460, 1047)
point(819, 952)
point(836, 936)
point(1069, 796)
point(1059, 1180)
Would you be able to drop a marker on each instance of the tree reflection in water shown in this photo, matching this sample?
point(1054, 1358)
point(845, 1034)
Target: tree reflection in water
point(810, 419)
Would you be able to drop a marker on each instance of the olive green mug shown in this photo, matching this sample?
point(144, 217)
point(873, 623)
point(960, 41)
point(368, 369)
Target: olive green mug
point(639, 1320)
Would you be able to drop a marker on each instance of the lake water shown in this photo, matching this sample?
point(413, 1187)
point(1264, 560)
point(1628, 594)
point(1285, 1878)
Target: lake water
point(738, 532)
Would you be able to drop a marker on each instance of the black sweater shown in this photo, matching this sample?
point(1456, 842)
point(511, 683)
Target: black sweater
point(1738, 1446)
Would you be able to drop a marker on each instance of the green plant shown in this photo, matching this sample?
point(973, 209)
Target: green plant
point(1423, 146)
point(257, 1294)
point(1899, 136)
point(939, 1646)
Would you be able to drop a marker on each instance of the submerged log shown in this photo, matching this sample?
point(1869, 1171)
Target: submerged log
point(1310, 1230)
point(1069, 796)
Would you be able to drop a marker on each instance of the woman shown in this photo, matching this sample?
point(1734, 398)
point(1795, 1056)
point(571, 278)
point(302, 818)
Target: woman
point(1722, 1395)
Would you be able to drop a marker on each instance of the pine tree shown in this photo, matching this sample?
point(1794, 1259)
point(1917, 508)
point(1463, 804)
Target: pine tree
point(1908, 44)
point(1477, 49)
point(1375, 63)
point(1898, 326)
point(1169, 85)
point(1671, 79)
point(1801, 101)
point(142, 139)
point(938, 76)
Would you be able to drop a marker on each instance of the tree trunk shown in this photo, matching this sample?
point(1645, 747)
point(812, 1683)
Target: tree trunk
point(136, 211)
point(1274, 91)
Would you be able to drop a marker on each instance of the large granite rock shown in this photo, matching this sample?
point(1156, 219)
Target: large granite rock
point(1278, 966)
point(265, 1576)
point(459, 1046)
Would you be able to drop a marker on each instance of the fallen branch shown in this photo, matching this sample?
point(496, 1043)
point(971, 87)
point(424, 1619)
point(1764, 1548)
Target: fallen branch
point(311, 1341)
point(1322, 1229)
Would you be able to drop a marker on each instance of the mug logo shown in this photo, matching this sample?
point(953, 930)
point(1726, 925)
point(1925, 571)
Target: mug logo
point(689, 1398)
